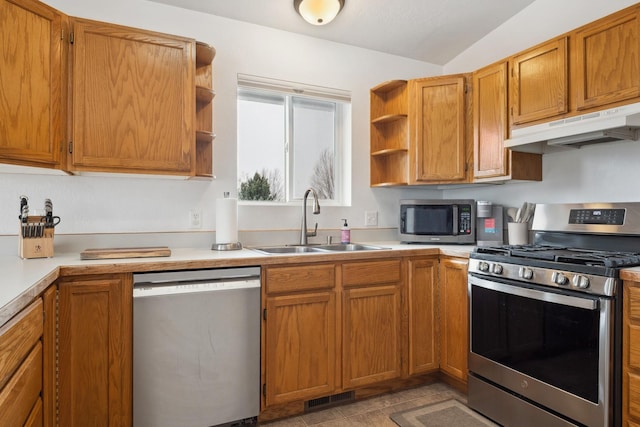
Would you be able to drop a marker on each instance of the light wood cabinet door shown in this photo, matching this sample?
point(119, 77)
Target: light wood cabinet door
point(422, 301)
point(300, 347)
point(454, 317)
point(32, 83)
point(490, 121)
point(438, 119)
point(95, 351)
point(538, 83)
point(631, 355)
point(133, 100)
point(607, 60)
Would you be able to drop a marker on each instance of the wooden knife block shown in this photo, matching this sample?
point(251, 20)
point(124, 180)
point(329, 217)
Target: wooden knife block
point(36, 247)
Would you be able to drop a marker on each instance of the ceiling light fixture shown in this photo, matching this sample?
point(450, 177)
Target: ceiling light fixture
point(318, 12)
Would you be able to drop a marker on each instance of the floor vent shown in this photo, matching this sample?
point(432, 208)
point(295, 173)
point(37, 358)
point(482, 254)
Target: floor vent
point(325, 402)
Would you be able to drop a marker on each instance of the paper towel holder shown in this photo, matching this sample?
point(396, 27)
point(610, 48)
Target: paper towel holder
point(232, 246)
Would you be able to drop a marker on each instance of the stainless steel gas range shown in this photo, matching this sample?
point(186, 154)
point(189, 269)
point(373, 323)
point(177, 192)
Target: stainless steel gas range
point(545, 318)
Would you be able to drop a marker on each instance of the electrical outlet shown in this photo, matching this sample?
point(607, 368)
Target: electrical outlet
point(371, 218)
point(195, 218)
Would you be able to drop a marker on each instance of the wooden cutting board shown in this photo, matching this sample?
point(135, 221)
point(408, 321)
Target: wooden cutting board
point(112, 253)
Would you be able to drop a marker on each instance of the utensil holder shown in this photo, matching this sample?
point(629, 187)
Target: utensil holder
point(518, 233)
point(38, 246)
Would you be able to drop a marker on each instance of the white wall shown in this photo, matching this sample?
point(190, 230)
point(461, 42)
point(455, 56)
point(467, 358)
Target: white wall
point(117, 204)
point(606, 172)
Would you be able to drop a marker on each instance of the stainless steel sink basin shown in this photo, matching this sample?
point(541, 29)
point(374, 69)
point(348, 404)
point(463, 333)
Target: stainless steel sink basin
point(349, 247)
point(286, 249)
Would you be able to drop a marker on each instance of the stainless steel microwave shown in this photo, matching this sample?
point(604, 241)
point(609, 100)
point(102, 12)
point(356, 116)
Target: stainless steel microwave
point(438, 221)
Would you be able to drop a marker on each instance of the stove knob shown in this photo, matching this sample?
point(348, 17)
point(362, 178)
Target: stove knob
point(580, 282)
point(483, 266)
point(496, 269)
point(559, 278)
point(525, 273)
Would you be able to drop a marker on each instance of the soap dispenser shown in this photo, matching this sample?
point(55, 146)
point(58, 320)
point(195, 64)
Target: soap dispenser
point(345, 233)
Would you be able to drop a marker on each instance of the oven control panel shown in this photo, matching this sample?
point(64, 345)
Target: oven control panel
point(588, 283)
point(597, 216)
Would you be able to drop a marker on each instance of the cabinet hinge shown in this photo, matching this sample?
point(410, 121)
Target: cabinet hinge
point(71, 38)
point(264, 389)
point(70, 147)
point(62, 34)
point(264, 314)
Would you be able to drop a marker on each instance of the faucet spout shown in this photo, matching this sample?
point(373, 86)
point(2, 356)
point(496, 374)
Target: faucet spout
point(304, 234)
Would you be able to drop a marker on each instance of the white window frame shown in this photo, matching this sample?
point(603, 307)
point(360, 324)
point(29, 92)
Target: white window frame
point(342, 135)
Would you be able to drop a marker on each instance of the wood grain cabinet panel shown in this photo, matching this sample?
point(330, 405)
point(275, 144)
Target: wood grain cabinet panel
point(438, 116)
point(538, 83)
point(607, 60)
point(23, 390)
point(631, 354)
point(422, 285)
point(133, 100)
point(454, 318)
point(371, 335)
point(32, 84)
point(95, 351)
point(491, 160)
point(300, 347)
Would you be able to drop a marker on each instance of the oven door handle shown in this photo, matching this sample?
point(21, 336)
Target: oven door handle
point(586, 303)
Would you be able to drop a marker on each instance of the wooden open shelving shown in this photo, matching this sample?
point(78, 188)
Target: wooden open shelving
point(389, 154)
point(204, 110)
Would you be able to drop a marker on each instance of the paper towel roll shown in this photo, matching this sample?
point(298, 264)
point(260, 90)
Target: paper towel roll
point(226, 220)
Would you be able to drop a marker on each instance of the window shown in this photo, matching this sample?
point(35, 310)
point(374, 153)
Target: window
point(292, 137)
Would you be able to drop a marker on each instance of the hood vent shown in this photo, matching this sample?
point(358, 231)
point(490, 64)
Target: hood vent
point(620, 123)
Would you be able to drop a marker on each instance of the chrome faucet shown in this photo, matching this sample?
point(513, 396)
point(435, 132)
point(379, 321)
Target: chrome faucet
point(316, 210)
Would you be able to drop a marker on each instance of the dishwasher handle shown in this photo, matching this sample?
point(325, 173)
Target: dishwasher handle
point(141, 290)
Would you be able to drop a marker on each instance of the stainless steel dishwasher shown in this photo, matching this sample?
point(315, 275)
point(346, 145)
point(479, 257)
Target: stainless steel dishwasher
point(196, 347)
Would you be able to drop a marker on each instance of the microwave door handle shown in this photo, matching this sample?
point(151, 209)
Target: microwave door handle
point(455, 219)
point(572, 301)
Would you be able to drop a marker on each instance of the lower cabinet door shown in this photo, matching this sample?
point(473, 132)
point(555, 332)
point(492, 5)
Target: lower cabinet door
point(300, 347)
point(454, 317)
point(95, 351)
point(371, 335)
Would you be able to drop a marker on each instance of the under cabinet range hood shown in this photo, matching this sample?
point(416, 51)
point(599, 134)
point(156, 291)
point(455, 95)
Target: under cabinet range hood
point(619, 123)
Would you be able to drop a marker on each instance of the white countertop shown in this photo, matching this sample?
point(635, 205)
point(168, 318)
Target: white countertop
point(25, 279)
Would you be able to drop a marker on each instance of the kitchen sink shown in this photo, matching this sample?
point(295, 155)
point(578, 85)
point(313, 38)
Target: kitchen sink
point(343, 247)
point(347, 247)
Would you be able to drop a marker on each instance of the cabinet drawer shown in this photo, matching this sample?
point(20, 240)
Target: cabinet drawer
point(370, 273)
point(20, 394)
point(17, 337)
point(300, 278)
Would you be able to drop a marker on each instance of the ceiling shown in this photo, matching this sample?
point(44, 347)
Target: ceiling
point(434, 31)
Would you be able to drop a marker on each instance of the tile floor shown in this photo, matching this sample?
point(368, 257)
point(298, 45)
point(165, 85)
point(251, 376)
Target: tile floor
point(372, 412)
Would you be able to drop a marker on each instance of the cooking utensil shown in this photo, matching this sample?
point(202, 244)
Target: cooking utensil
point(511, 214)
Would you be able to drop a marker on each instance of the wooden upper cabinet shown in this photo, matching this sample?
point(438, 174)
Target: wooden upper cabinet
point(133, 100)
point(538, 82)
point(438, 113)
point(607, 60)
point(490, 121)
point(492, 161)
point(32, 83)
